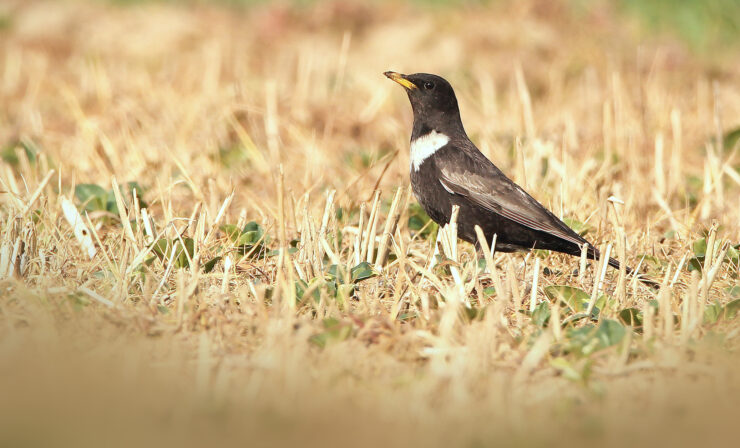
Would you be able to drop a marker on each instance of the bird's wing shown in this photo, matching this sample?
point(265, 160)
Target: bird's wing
point(485, 185)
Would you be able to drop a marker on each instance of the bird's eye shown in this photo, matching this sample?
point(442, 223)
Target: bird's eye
point(429, 85)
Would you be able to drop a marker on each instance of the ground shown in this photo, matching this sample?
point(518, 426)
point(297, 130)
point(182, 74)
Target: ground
point(208, 234)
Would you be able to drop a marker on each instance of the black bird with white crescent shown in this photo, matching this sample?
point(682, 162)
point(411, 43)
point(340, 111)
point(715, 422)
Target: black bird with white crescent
point(448, 169)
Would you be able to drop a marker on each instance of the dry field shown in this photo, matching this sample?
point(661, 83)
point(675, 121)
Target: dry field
point(207, 236)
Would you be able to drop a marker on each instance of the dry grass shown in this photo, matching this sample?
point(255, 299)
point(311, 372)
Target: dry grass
point(280, 115)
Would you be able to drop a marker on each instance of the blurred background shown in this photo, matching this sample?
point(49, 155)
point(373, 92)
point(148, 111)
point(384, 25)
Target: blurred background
point(303, 81)
point(191, 102)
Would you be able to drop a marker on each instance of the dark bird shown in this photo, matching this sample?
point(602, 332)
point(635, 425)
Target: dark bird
point(448, 169)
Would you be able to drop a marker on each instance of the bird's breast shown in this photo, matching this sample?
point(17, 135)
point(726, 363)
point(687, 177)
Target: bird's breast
point(431, 194)
point(424, 147)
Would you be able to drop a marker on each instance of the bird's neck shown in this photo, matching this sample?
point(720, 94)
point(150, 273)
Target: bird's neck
point(448, 124)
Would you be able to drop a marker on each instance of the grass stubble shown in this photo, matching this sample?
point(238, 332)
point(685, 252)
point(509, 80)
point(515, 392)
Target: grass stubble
point(280, 116)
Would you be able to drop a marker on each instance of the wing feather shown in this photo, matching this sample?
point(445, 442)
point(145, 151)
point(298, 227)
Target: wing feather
point(488, 187)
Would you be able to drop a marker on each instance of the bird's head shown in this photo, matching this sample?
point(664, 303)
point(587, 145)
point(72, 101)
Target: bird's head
point(432, 100)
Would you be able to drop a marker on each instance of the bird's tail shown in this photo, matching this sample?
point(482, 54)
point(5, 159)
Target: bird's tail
point(594, 254)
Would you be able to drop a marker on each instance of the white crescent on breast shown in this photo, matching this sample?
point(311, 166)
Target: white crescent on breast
point(424, 146)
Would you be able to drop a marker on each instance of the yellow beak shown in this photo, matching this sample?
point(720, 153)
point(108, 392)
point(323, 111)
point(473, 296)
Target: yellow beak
point(401, 79)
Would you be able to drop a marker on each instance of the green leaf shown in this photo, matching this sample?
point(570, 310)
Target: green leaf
point(301, 288)
point(338, 273)
point(700, 247)
point(232, 232)
point(581, 340)
point(341, 274)
point(600, 303)
point(631, 317)
point(609, 333)
point(78, 300)
point(733, 291)
point(733, 254)
point(233, 155)
point(276, 252)
point(8, 153)
point(565, 369)
point(652, 264)
point(92, 197)
point(330, 287)
point(164, 248)
point(578, 226)
point(336, 331)
point(569, 371)
point(540, 253)
point(161, 248)
point(481, 264)
point(344, 293)
point(576, 299)
point(712, 313)
point(210, 264)
point(574, 318)
point(419, 221)
point(95, 198)
point(589, 339)
point(696, 264)
point(473, 313)
point(255, 231)
point(250, 239)
point(730, 139)
point(541, 314)
point(183, 257)
point(362, 271)
point(131, 186)
point(731, 309)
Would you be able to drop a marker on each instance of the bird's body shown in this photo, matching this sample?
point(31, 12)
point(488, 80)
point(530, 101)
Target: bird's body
point(448, 169)
point(467, 179)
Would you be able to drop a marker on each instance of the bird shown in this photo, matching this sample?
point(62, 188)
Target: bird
point(447, 169)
